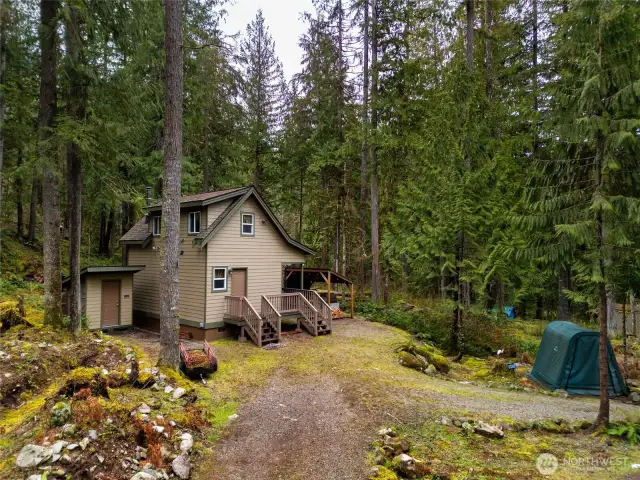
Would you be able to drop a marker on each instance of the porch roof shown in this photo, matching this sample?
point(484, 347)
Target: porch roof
point(315, 274)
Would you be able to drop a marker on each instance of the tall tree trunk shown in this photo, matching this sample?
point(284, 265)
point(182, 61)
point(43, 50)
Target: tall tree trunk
point(76, 108)
point(103, 227)
point(632, 306)
point(336, 248)
point(603, 412)
point(169, 315)
point(488, 27)
point(108, 232)
point(375, 221)
point(33, 208)
point(534, 57)
point(625, 360)
point(365, 147)
point(469, 34)
point(564, 283)
point(19, 195)
point(462, 288)
point(3, 65)
point(50, 182)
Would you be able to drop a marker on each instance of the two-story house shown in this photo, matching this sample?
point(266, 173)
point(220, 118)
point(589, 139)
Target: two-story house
point(232, 253)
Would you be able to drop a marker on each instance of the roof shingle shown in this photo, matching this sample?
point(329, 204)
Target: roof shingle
point(201, 197)
point(138, 233)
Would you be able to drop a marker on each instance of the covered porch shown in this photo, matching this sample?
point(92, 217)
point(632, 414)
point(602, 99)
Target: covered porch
point(337, 285)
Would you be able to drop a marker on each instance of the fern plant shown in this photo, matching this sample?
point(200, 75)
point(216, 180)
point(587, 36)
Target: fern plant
point(629, 429)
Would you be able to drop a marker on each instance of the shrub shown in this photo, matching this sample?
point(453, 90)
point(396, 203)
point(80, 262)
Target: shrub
point(432, 323)
point(88, 411)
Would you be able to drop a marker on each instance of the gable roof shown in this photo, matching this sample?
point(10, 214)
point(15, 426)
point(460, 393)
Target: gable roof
point(139, 234)
point(204, 237)
point(202, 199)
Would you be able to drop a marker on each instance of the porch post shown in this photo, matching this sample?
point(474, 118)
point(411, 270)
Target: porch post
point(329, 287)
point(302, 276)
point(352, 300)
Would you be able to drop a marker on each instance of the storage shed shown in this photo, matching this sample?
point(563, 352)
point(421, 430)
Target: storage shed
point(107, 295)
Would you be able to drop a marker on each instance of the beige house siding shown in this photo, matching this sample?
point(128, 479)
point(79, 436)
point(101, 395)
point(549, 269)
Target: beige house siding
point(262, 255)
point(94, 298)
point(146, 285)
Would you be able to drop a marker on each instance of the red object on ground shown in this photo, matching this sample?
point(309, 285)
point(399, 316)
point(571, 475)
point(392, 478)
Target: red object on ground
point(198, 361)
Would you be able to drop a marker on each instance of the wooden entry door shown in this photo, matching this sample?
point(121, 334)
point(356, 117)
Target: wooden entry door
point(239, 282)
point(110, 314)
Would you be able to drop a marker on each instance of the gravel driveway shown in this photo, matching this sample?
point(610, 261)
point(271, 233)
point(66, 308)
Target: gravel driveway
point(318, 424)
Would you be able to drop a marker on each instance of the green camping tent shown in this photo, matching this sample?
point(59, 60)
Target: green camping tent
point(568, 359)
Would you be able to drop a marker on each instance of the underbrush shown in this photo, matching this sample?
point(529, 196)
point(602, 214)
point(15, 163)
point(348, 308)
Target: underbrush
point(431, 322)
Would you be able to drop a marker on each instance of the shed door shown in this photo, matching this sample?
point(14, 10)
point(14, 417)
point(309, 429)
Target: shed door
point(110, 303)
point(239, 282)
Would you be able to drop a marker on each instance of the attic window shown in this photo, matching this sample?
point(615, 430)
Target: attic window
point(194, 222)
point(219, 279)
point(247, 224)
point(155, 226)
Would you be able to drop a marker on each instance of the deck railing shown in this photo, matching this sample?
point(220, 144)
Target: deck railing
point(310, 314)
point(240, 308)
point(270, 314)
point(324, 310)
point(285, 302)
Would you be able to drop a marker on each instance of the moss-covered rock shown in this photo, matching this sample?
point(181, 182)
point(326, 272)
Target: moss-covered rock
point(382, 473)
point(411, 361)
point(85, 377)
point(440, 363)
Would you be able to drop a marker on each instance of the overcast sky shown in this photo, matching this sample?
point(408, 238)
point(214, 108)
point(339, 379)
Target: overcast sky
point(283, 19)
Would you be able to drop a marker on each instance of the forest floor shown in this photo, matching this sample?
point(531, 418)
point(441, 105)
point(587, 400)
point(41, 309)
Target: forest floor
point(311, 410)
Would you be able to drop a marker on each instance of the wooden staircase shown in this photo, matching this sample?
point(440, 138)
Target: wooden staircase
point(313, 313)
point(269, 334)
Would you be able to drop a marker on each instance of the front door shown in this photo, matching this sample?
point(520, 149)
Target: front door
point(239, 282)
point(110, 303)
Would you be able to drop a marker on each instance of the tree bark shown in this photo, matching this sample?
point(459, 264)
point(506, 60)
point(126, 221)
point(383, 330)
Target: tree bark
point(169, 315)
point(462, 289)
point(625, 360)
point(33, 208)
point(469, 34)
point(603, 412)
point(3, 66)
point(365, 147)
point(50, 182)
point(488, 27)
point(375, 221)
point(564, 283)
point(76, 109)
point(19, 206)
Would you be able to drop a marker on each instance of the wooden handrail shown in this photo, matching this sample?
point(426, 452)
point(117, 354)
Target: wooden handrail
point(271, 315)
point(253, 320)
point(241, 308)
point(317, 301)
point(309, 312)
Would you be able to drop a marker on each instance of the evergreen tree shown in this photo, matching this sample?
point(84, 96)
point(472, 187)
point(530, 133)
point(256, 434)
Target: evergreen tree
point(261, 94)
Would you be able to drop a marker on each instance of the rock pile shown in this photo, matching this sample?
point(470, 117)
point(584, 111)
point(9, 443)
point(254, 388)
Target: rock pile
point(392, 458)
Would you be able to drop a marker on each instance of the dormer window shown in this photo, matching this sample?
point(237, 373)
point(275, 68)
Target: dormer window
point(156, 226)
point(194, 223)
point(248, 224)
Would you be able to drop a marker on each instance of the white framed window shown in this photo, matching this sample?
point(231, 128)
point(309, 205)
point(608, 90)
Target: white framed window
point(194, 222)
point(219, 280)
point(156, 226)
point(248, 228)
